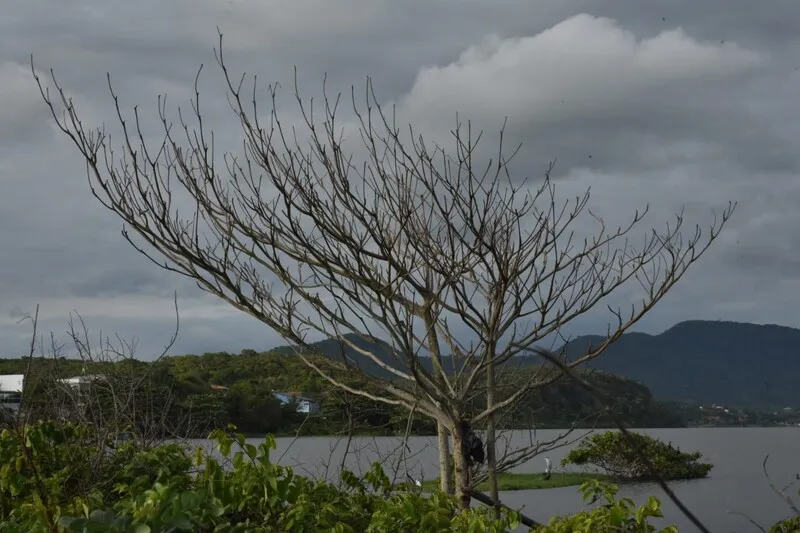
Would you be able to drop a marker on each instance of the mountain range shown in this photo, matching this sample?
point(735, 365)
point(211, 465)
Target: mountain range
point(741, 364)
point(730, 363)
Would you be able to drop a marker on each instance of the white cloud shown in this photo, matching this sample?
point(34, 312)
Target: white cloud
point(582, 67)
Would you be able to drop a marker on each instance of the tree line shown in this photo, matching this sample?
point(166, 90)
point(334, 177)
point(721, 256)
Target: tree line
point(212, 390)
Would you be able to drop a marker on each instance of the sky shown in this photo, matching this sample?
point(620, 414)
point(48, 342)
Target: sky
point(671, 103)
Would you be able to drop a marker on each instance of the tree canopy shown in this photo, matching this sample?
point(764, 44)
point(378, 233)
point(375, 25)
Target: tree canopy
point(623, 457)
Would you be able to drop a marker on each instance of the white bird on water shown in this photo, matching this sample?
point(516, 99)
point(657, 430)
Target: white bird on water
point(547, 468)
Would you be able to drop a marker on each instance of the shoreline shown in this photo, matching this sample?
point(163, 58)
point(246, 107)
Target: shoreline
point(597, 428)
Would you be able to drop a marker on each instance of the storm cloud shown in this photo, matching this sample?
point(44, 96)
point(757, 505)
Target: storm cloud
point(675, 104)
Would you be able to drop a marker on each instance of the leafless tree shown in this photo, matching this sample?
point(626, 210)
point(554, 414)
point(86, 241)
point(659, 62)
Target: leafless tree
point(416, 245)
point(118, 402)
point(113, 392)
point(129, 394)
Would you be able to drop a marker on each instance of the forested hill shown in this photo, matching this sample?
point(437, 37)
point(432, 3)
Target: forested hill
point(338, 351)
point(749, 365)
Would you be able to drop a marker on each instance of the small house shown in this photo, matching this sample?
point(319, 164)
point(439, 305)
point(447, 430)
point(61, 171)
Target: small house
point(11, 386)
point(304, 405)
point(82, 384)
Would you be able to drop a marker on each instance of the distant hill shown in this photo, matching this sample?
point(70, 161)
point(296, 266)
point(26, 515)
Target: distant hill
point(749, 365)
point(334, 350)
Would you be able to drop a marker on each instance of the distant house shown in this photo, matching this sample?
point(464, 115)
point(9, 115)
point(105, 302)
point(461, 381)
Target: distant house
point(219, 388)
point(11, 386)
point(82, 383)
point(304, 405)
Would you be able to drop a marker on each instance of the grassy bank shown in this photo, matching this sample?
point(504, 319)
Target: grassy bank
point(511, 481)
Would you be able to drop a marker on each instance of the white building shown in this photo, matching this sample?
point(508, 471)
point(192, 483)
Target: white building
point(304, 405)
point(11, 386)
point(81, 383)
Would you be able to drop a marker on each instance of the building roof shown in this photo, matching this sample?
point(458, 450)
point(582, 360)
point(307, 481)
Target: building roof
point(77, 380)
point(296, 395)
point(12, 382)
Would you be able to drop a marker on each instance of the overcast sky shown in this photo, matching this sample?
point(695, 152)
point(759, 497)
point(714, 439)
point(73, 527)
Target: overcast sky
point(677, 102)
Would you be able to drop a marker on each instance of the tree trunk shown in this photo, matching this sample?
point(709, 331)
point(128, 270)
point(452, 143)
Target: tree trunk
point(491, 456)
point(462, 480)
point(445, 463)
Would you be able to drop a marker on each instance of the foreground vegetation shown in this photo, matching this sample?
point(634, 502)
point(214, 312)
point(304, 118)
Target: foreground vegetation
point(245, 382)
point(63, 477)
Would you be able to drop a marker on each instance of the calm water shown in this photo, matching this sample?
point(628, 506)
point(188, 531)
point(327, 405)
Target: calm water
point(736, 484)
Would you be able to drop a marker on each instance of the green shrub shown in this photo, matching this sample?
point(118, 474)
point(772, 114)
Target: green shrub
point(50, 469)
point(55, 477)
point(614, 515)
point(614, 454)
point(789, 525)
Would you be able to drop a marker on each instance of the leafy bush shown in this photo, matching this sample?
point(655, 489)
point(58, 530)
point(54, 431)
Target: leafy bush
point(54, 478)
point(50, 469)
point(790, 525)
point(61, 477)
point(614, 515)
point(613, 453)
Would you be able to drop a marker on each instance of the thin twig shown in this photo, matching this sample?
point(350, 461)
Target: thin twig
point(782, 495)
point(759, 526)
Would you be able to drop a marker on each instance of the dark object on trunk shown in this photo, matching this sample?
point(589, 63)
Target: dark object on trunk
point(473, 445)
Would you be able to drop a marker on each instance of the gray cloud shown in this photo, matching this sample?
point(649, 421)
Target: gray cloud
point(119, 282)
point(677, 102)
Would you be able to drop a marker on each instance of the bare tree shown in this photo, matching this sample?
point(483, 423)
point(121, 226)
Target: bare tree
point(112, 392)
point(127, 395)
point(119, 401)
point(417, 245)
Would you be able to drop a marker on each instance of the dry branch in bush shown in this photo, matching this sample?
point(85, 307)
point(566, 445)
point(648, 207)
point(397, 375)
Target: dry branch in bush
point(101, 384)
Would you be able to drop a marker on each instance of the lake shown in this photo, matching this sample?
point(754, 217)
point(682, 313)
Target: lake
point(736, 484)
